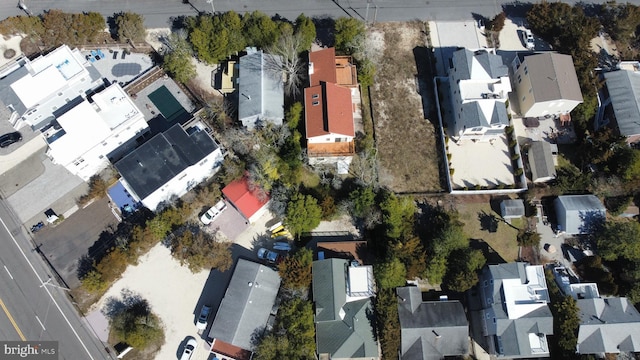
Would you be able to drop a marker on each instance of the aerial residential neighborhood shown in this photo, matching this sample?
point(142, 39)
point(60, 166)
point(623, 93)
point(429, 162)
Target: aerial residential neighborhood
point(343, 180)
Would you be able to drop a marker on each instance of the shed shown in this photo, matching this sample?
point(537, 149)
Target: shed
point(541, 162)
point(512, 209)
point(579, 214)
point(249, 202)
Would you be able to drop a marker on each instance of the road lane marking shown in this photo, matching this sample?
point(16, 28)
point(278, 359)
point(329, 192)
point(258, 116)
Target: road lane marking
point(13, 322)
point(64, 316)
point(37, 318)
point(11, 276)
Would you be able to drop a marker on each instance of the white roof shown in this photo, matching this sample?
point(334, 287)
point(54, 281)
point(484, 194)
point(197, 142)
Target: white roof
point(48, 74)
point(522, 299)
point(115, 106)
point(358, 280)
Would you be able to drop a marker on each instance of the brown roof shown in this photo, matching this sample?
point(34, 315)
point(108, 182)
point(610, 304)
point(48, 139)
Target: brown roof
point(323, 64)
point(328, 110)
point(345, 250)
point(226, 349)
point(331, 149)
point(553, 77)
point(346, 72)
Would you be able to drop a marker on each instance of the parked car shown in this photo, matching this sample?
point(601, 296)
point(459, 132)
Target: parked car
point(269, 256)
point(528, 40)
point(10, 138)
point(189, 348)
point(282, 246)
point(213, 212)
point(204, 316)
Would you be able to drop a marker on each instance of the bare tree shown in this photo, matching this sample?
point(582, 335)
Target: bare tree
point(363, 167)
point(284, 60)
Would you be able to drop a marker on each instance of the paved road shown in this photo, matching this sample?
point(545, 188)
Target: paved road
point(158, 12)
point(30, 311)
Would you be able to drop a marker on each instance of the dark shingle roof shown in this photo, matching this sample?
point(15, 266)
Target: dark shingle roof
point(541, 160)
point(163, 157)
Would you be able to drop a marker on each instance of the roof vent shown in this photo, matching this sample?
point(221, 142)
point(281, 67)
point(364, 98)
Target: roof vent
point(250, 283)
point(246, 96)
point(436, 334)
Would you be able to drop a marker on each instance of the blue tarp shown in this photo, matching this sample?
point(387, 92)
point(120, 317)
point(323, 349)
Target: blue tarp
point(122, 198)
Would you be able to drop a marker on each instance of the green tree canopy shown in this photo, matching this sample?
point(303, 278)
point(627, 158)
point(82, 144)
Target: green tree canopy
point(259, 30)
point(388, 323)
point(363, 200)
point(294, 334)
point(136, 325)
point(349, 35)
point(398, 215)
point(464, 265)
point(450, 238)
point(295, 270)
point(178, 61)
point(390, 274)
point(305, 27)
point(619, 239)
point(303, 214)
point(130, 27)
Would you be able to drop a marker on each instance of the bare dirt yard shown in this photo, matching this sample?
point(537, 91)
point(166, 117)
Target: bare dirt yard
point(405, 138)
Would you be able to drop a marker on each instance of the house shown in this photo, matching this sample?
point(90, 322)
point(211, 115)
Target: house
point(249, 202)
point(479, 86)
point(260, 89)
point(342, 296)
point(608, 325)
point(541, 161)
point(515, 316)
point(32, 90)
point(87, 133)
point(546, 84)
point(621, 102)
point(329, 121)
point(245, 309)
point(512, 209)
point(579, 214)
point(430, 330)
point(169, 164)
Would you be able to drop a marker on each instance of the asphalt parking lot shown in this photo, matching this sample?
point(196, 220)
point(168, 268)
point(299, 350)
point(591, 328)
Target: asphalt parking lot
point(65, 243)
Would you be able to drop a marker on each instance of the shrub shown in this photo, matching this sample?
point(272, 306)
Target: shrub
point(512, 144)
point(508, 130)
point(518, 172)
point(477, 187)
point(448, 156)
point(515, 157)
point(451, 171)
point(97, 189)
point(93, 282)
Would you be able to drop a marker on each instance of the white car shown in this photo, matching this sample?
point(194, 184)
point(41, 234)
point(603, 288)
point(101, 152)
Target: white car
point(204, 316)
point(212, 213)
point(189, 348)
point(529, 40)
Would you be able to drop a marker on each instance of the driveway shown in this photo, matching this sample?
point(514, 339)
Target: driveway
point(230, 223)
point(65, 243)
point(448, 36)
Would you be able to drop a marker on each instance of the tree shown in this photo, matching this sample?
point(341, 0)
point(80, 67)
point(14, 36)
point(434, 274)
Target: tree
point(135, 324)
point(294, 335)
point(366, 72)
point(293, 115)
point(303, 214)
point(390, 274)
point(306, 30)
point(398, 215)
point(388, 323)
point(620, 21)
point(462, 273)
point(200, 251)
point(29, 25)
point(232, 23)
point(178, 61)
point(497, 23)
point(619, 239)
point(411, 252)
point(450, 238)
point(591, 269)
point(259, 30)
point(130, 27)
point(363, 200)
point(349, 35)
point(283, 61)
point(528, 238)
point(57, 25)
point(295, 270)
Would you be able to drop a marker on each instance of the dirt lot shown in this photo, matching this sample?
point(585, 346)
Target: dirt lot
point(406, 141)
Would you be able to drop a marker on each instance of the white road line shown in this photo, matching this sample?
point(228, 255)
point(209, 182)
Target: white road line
point(46, 289)
point(11, 276)
point(37, 318)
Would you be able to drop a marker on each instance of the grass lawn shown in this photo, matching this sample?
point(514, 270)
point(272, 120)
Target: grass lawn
point(503, 240)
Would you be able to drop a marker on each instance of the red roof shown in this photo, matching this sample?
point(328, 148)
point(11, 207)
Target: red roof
point(226, 349)
point(246, 201)
point(323, 63)
point(328, 110)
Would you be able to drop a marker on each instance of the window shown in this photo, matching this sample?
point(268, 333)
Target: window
point(519, 79)
point(524, 98)
point(494, 320)
point(484, 283)
point(526, 71)
point(530, 90)
point(338, 139)
point(315, 96)
point(315, 103)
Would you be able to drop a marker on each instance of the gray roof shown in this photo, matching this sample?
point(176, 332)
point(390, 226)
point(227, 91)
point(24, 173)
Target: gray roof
point(472, 116)
point(260, 88)
point(490, 63)
point(512, 208)
point(624, 91)
point(608, 325)
point(347, 335)
point(582, 211)
point(553, 77)
point(432, 329)
point(163, 157)
point(7, 95)
point(247, 304)
point(541, 160)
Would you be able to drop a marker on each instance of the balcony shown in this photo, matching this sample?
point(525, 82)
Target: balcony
point(333, 149)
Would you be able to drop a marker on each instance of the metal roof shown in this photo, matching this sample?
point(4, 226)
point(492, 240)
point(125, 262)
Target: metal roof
point(260, 88)
point(541, 161)
point(624, 90)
